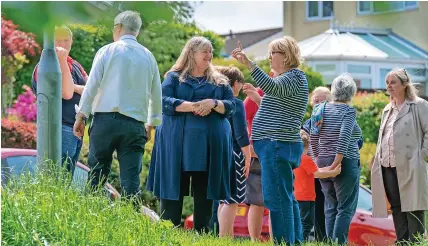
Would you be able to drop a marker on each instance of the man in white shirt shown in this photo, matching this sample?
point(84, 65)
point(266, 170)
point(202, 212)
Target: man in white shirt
point(123, 92)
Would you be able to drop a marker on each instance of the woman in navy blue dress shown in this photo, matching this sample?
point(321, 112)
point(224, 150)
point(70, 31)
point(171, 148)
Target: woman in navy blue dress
point(241, 154)
point(193, 146)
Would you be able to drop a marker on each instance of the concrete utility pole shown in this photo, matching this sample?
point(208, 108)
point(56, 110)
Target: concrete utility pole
point(49, 98)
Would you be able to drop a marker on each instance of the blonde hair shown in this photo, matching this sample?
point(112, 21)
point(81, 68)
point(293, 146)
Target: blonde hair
point(288, 46)
point(186, 62)
point(323, 90)
point(63, 31)
point(401, 74)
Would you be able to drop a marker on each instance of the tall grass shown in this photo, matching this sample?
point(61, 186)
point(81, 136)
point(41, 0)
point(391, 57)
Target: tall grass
point(44, 209)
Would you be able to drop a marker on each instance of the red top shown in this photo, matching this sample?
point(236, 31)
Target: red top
point(304, 183)
point(251, 110)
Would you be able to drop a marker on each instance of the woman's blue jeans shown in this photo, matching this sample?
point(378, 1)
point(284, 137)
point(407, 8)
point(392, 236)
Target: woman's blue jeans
point(341, 198)
point(278, 159)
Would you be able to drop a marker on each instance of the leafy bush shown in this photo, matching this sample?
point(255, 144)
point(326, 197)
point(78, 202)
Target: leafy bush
point(87, 40)
point(18, 134)
point(166, 40)
point(369, 112)
point(25, 107)
point(16, 47)
point(366, 155)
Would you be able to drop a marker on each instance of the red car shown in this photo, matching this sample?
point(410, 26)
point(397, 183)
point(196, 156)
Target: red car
point(16, 161)
point(365, 229)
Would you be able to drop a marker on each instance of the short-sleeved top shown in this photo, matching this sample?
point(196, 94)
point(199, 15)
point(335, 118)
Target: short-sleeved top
point(196, 129)
point(79, 78)
point(304, 182)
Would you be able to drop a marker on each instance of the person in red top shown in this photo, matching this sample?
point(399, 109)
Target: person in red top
point(304, 186)
point(253, 193)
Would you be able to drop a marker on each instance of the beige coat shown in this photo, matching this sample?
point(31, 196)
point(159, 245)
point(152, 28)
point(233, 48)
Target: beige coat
point(411, 153)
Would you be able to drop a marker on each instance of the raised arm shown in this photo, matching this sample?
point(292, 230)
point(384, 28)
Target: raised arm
point(286, 84)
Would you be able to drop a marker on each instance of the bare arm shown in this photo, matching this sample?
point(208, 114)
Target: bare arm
point(67, 80)
point(327, 172)
point(79, 89)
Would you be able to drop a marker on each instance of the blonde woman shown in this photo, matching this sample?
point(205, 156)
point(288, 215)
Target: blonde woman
point(194, 143)
point(400, 168)
point(276, 133)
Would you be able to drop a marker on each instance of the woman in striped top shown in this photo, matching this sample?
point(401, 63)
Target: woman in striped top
point(275, 133)
point(334, 141)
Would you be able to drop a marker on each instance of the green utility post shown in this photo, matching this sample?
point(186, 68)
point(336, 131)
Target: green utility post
point(49, 107)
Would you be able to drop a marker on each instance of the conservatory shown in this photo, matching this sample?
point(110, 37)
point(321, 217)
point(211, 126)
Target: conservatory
point(367, 54)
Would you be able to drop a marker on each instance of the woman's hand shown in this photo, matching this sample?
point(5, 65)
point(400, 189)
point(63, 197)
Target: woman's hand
point(240, 56)
point(204, 107)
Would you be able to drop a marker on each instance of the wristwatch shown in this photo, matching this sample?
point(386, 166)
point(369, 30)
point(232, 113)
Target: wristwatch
point(215, 103)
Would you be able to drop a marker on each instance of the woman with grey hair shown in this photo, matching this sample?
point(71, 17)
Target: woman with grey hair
point(334, 140)
point(400, 168)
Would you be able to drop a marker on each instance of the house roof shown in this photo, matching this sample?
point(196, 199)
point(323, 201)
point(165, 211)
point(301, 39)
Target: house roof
point(247, 38)
point(361, 44)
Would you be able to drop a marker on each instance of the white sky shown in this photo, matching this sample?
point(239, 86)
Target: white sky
point(222, 16)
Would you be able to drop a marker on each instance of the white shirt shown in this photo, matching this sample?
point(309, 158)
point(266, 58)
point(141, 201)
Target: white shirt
point(124, 78)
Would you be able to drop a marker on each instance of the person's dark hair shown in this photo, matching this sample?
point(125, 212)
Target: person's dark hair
point(232, 73)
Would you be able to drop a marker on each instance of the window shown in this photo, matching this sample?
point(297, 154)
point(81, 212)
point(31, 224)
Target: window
point(370, 7)
point(364, 200)
point(80, 177)
point(16, 165)
point(359, 69)
point(325, 68)
point(319, 10)
point(361, 74)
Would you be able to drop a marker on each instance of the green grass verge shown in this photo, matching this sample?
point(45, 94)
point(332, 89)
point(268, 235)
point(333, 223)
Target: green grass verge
point(45, 210)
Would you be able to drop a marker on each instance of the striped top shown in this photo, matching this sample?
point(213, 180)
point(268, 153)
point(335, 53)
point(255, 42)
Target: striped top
point(283, 106)
point(339, 133)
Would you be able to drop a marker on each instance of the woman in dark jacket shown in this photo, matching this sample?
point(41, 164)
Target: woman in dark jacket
point(194, 142)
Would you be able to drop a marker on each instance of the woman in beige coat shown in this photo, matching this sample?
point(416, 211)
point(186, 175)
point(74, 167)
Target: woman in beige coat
point(400, 168)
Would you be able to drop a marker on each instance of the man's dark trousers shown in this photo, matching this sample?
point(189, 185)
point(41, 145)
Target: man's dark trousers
point(115, 131)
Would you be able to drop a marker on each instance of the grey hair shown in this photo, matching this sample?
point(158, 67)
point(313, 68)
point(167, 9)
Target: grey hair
point(343, 88)
point(130, 21)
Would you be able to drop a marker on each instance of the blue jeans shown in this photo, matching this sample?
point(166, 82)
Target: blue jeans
point(71, 146)
point(278, 159)
point(341, 198)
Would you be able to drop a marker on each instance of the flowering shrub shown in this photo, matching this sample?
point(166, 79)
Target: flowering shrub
point(18, 134)
point(25, 107)
point(16, 45)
